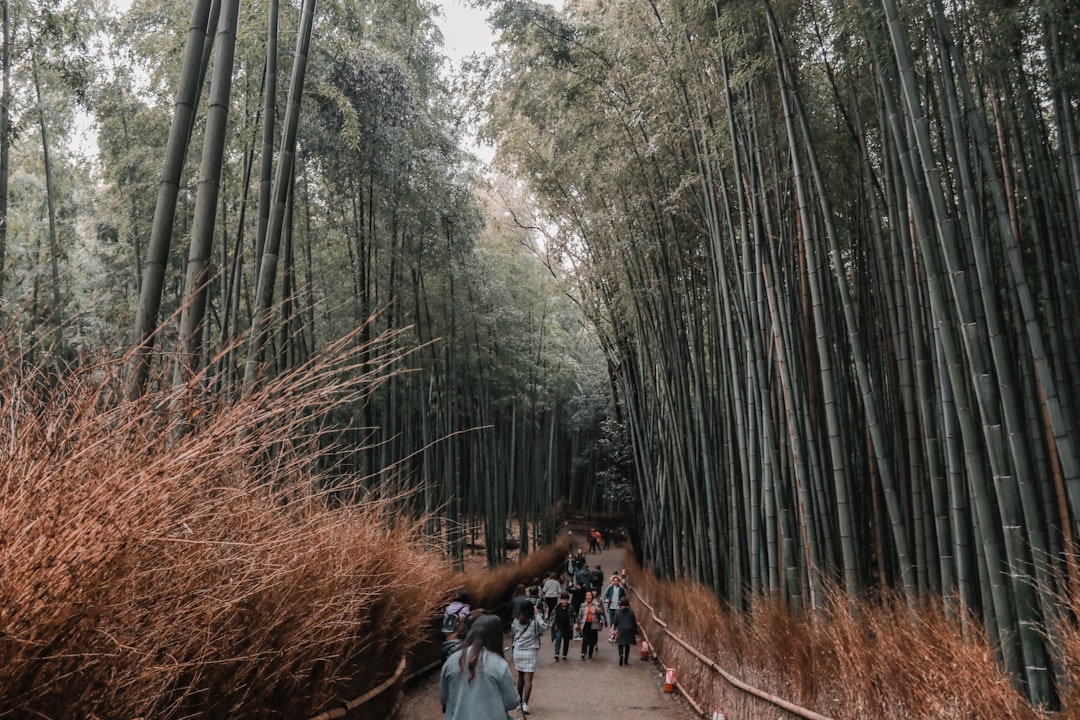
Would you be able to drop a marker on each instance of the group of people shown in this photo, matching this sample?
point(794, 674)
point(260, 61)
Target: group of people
point(476, 682)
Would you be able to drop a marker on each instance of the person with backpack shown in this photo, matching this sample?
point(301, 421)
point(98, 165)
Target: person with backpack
point(455, 639)
point(626, 629)
point(475, 681)
point(527, 630)
point(455, 612)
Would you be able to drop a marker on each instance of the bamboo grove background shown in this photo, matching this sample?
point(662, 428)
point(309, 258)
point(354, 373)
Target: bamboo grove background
point(264, 179)
point(832, 250)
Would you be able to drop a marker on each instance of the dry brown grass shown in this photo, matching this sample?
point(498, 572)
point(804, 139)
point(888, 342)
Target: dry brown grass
point(872, 659)
point(165, 558)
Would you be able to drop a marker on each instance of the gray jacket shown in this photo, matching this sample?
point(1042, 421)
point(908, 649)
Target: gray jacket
point(527, 637)
point(490, 694)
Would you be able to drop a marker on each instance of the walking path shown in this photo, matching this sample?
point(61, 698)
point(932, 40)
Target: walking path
point(597, 689)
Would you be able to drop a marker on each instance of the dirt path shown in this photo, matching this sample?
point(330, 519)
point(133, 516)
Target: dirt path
point(597, 689)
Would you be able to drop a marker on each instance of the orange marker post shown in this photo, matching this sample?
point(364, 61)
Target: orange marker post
point(669, 680)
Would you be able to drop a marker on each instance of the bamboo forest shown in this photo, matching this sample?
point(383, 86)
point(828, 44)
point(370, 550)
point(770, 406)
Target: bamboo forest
point(792, 287)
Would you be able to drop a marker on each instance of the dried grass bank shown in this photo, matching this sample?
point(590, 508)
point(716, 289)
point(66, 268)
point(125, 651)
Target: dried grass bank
point(871, 659)
point(168, 559)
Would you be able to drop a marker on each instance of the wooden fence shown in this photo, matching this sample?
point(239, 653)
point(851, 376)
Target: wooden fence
point(709, 663)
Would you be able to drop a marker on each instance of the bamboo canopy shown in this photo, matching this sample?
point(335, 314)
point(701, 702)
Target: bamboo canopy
point(832, 249)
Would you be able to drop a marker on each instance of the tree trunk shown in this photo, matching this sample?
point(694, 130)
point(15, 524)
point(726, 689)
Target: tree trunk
point(264, 292)
point(200, 254)
point(157, 253)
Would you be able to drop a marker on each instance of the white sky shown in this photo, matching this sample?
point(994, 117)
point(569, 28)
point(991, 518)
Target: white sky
point(465, 30)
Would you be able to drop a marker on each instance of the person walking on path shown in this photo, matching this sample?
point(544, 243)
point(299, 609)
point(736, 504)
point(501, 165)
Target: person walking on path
point(475, 681)
point(519, 600)
point(590, 620)
point(613, 596)
point(527, 629)
point(584, 577)
point(562, 625)
point(625, 624)
point(455, 613)
point(577, 597)
point(596, 581)
point(550, 592)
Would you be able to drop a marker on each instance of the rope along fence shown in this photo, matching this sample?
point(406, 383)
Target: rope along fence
point(709, 663)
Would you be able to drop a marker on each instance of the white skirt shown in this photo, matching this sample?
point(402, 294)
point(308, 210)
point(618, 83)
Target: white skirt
point(526, 660)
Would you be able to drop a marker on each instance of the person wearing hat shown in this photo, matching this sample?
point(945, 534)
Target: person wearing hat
point(626, 626)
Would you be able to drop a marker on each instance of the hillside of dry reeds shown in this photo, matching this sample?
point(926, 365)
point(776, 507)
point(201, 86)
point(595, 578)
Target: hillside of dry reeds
point(848, 661)
point(167, 558)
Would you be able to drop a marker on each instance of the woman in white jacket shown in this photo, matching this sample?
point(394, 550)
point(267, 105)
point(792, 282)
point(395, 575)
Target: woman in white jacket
point(527, 629)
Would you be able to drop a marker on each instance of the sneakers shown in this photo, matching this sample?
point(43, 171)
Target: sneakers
point(556, 658)
point(525, 708)
point(564, 657)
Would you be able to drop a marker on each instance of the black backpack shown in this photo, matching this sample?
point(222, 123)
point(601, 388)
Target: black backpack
point(450, 622)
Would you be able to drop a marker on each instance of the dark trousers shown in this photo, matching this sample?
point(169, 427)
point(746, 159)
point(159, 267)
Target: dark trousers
point(588, 639)
point(624, 654)
point(561, 639)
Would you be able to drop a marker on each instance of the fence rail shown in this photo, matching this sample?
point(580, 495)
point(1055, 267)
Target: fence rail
point(734, 681)
point(340, 712)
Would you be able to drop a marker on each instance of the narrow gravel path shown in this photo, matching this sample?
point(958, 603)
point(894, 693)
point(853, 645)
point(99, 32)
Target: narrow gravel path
point(597, 689)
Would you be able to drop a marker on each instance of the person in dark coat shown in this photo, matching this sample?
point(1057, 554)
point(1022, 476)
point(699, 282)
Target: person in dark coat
point(626, 628)
point(562, 625)
point(577, 596)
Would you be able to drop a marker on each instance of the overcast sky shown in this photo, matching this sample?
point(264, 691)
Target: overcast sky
point(465, 29)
